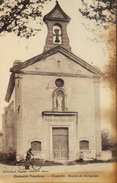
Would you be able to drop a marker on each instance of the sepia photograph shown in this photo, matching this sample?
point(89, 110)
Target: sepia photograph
point(58, 91)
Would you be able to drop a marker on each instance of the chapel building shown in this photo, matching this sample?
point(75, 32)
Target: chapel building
point(53, 100)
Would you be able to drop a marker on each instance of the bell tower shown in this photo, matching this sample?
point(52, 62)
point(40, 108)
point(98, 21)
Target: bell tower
point(56, 21)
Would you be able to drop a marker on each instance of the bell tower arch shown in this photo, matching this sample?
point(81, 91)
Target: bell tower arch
point(57, 36)
point(57, 21)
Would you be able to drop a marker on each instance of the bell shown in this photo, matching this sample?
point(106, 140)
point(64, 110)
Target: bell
point(57, 36)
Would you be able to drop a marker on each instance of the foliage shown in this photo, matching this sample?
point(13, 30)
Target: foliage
point(109, 142)
point(102, 11)
point(18, 15)
point(8, 158)
point(110, 76)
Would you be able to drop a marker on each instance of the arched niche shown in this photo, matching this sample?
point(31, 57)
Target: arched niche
point(59, 100)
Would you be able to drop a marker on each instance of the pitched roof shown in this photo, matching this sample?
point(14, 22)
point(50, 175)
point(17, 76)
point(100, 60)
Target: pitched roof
point(68, 54)
point(49, 16)
point(65, 52)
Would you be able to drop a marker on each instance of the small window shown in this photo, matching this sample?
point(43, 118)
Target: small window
point(84, 144)
point(36, 145)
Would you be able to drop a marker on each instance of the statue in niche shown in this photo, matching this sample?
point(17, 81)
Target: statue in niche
point(60, 101)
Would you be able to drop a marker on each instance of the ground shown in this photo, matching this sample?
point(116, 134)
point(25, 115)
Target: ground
point(63, 168)
point(77, 173)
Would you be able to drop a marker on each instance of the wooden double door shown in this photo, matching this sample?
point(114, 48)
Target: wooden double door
point(60, 143)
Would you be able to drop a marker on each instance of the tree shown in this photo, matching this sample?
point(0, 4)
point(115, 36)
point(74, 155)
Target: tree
point(102, 11)
point(102, 14)
point(109, 142)
point(17, 16)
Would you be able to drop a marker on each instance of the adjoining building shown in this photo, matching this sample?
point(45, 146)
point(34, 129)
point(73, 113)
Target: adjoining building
point(54, 102)
point(1, 141)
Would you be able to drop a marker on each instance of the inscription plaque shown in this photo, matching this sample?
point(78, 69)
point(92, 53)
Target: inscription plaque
point(60, 118)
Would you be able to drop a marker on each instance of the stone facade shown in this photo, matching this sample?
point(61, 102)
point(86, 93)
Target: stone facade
point(56, 99)
point(9, 129)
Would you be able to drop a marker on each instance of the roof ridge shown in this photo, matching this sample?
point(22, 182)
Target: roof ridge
point(14, 68)
point(62, 50)
point(72, 54)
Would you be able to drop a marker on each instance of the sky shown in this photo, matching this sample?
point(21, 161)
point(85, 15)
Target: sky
point(85, 40)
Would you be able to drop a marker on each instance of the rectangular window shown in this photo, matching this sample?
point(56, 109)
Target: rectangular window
point(36, 145)
point(84, 144)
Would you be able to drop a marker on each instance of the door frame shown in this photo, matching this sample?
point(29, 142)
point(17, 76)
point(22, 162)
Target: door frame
point(67, 142)
point(51, 141)
point(61, 119)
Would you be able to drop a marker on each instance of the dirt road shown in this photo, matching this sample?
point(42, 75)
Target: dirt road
point(61, 168)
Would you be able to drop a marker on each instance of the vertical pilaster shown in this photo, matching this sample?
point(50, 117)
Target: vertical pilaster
point(97, 117)
point(18, 114)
